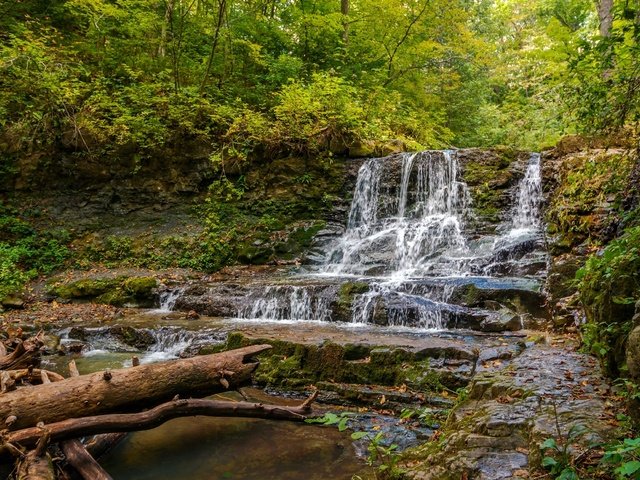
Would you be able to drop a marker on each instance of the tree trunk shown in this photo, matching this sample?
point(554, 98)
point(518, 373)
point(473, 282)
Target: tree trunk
point(222, 11)
point(127, 389)
point(344, 9)
point(168, 14)
point(605, 15)
point(127, 422)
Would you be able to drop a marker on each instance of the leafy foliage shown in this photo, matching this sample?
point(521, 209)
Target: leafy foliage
point(609, 285)
point(26, 253)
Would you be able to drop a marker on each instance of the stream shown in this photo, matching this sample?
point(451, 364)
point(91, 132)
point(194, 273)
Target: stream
point(411, 267)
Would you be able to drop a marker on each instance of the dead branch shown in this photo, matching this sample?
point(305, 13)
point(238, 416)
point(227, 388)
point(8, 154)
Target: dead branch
point(80, 427)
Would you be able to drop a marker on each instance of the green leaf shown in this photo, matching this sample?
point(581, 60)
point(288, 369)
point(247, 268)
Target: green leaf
point(628, 468)
point(358, 435)
point(342, 425)
point(568, 474)
point(549, 462)
point(549, 443)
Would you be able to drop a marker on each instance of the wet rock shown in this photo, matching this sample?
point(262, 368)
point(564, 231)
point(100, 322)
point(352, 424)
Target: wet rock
point(497, 432)
point(503, 320)
point(51, 344)
point(134, 337)
point(73, 347)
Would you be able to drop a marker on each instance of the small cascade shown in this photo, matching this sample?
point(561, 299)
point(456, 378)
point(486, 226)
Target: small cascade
point(168, 299)
point(523, 241)
point(527, 210)
point(287, 302)
point(151, 344)
point(404, 229)
point(172, 342)
point(404, 305)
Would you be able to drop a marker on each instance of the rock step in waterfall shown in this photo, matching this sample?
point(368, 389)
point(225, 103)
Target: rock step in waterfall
point(410, 257)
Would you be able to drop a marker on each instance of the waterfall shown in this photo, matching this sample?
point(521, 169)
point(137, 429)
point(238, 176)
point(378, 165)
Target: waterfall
point(168, 299)
point(403, 229)
point(527, 210)
point(287, 303)
point(410, 238)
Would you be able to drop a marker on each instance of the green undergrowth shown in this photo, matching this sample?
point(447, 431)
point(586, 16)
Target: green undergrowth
point(609, 286)
point(588, 184)
point(239, 221)
point(27, 252)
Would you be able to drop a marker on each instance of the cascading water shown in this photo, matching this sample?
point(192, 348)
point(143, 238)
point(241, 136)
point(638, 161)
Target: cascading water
point(407, 228)
point(527, 210)
point(287, 303)
point(168, 299)
point(407, 240)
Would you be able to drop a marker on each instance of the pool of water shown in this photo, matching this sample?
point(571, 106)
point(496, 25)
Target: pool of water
point(199, 448)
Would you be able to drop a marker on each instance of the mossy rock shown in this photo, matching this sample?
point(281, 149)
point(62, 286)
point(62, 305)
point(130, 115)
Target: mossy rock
point(140, 286)
point(133, 337)
point(255, 254)
point(293, 365)
point(346, 295)
point(86, 288)
point(111, 291)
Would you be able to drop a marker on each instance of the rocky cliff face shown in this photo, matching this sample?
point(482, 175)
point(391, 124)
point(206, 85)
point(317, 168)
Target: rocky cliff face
point(591, 211)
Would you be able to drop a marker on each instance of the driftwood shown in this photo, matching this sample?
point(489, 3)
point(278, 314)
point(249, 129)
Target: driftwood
point(127, 422)
point(127, 389)
point(37, 464)
point(24, 355)
point(82, 461)
point(101, 444)
point(9, 379)
point(74, 451)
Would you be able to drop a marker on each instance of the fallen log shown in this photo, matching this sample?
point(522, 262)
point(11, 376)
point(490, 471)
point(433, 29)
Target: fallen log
point(129, 388)
point(101, 444)
point(127, 422)
point(9, 379)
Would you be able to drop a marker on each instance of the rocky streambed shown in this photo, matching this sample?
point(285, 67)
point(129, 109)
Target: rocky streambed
point(424, 312)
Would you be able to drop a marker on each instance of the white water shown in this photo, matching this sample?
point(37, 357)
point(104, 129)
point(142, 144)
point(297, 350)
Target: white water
point(527, 210)
point(407, 229)
point(287, 303)
point(407, 221)
point(168, 299)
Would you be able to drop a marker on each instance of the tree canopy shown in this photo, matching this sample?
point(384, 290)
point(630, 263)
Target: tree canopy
point(293, 77)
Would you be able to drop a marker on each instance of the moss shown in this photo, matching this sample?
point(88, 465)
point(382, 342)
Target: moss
point(609, 287)
point(84, 289)
point(346, 294)
point(140, 286)
point(293, 365)
point(488, 177)
point(112, 291)
point(588, 200)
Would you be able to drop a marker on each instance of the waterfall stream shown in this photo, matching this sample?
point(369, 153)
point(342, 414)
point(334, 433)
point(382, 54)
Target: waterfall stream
point(404, 229)
point(409, 221)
